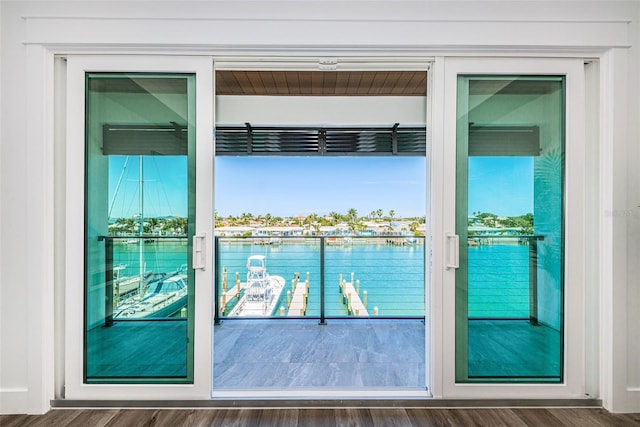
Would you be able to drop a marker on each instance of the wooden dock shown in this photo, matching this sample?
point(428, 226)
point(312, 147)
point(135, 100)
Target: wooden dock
point(297, 299)
point(228, 294)
point(351, 297)
point(297, 296)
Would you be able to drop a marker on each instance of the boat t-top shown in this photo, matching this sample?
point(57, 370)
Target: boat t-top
point(262, 291)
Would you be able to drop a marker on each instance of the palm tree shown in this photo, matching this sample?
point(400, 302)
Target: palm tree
point(126, 225)
point(352, 219)
point(392, 213)
point(178, 225)
point(311, 219)
point(335, 217)
point(183, 224)
point(246, 218)
point(324, 221)
point(151, 225)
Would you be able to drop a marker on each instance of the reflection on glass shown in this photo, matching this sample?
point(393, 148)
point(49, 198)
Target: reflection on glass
point(509, 287)
point(138, 220)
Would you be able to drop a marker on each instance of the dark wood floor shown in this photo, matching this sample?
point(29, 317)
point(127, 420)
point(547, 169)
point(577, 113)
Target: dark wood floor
point(547, 417)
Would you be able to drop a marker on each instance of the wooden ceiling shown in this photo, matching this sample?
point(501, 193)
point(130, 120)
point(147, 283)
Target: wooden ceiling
point(322, 83)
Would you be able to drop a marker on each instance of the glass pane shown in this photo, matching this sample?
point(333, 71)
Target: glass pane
point(509, 287)
point(139, 217)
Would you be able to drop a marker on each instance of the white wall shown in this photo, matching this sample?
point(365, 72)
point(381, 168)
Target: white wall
point(14, 383)
point(31, 32)
point(321, 110)
point(633, 285)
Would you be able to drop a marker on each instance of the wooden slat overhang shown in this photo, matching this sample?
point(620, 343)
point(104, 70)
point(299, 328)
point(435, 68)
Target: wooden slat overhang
point(322, 83)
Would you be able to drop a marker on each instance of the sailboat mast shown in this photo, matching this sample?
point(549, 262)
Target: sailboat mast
point(115, 193)
point(141, 228)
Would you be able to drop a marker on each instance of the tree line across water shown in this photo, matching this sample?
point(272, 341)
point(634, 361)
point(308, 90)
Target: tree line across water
point(522, 222)
point(354, 222)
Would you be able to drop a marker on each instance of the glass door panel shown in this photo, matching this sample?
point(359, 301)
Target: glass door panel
point(509, 204)
point(139, 220)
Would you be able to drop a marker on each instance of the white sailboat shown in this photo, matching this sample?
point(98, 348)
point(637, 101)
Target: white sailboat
point(148, 295)
point(163, 297)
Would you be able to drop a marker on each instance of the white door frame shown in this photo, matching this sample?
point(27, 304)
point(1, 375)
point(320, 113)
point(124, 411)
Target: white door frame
point(77, 66)
point(444, 153)
point(440, 315)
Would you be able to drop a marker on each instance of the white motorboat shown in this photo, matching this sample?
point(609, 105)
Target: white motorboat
point(261, 290)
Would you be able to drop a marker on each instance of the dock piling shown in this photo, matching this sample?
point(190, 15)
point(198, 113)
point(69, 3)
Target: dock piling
point(224, 279)
point(223, 307)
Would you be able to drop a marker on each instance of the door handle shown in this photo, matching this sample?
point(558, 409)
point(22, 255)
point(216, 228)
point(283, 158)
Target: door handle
point(452, 248)
point(200, 251)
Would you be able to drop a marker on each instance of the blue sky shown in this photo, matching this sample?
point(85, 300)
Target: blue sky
point(290, 186)
point(165, 186)
point(501, 185)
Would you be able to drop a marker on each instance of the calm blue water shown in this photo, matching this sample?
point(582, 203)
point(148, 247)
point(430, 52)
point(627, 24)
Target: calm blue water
point(159, 256)
point(498, 281)
point(393, 276)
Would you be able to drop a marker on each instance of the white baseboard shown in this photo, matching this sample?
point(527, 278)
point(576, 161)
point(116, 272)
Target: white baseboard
point(633, 400)
point(626, 402)
point(14, 401)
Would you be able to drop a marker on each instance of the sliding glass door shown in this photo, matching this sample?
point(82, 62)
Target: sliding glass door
point(140, 219)
point(509, 269)
point(137, 221)
point(504, 246)
point(509, 207)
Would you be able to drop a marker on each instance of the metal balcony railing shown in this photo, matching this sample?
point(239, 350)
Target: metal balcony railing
point(321, 277)
point(502, 276)
point(326, 277)
point(136, 269)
